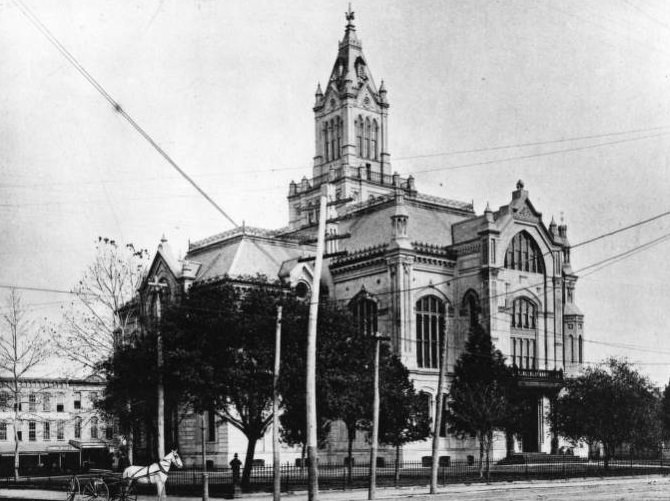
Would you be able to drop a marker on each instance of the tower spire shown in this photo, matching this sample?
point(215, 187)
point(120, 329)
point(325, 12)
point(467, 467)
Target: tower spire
point(349, 15)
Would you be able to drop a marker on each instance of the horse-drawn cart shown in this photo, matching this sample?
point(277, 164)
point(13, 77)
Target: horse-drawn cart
point(100, 486)
point(103, 485)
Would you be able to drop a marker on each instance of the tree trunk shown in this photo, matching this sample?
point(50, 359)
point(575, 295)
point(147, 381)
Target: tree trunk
point(16, 449)
point(489, 441)
point(396, 473)
point(248, 461)
point(481, 456)
point(351, 436)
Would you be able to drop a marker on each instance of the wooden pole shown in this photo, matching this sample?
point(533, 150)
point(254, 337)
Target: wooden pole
point(438, 407)
point(372, 490)
point(276, 491)
point(310, 390)
point(205, 475)
point(156, 287)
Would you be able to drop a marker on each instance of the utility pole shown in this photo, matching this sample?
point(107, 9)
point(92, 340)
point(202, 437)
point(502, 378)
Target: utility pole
point(438, 406)
point(310, 390)
point(276, 491)
point(372, 491)
point(156, 288)
point(205, 475)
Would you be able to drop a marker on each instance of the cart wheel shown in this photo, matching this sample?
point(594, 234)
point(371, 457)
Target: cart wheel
point(72, 488)
point(127, 492)
point(96, 489)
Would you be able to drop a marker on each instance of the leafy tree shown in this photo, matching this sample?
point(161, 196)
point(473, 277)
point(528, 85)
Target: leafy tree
point(86, 332)
point(220, 342)
point(343, 378)
point(23, 347)
point(612, 404)
point(478, 402)
point(403, 416)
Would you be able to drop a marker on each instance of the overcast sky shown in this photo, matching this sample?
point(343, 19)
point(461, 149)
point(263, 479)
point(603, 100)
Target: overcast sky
point(227, 89)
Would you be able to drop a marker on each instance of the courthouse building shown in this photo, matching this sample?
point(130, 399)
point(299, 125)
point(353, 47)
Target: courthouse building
point(407, 263)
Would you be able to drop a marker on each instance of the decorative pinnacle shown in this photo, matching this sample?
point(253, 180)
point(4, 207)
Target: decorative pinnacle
point(519, 185)
point(349, 15)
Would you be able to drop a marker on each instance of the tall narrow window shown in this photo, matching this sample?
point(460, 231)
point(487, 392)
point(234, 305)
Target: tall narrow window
point(32, 431)
point(77, 427)
point(339, 137)
point(364, 311)
point(325, 141)
point(375, 140)
point(32, 402)
point(60, 430)
point(46, 431)
point(94, 428)
point(581, 350)
point(211, 425)
point(77, 400)
point(60, 402)
point(527, 360)
point(359, 136)
point(514, 351)
point(333, 139)
point(571, 344)
point(520, 353)
point(46, 402)
point(368, 131)
point(430, 312)
point(3, 430)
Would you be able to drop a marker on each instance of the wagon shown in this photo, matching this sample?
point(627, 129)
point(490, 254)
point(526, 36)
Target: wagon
point(100, 486)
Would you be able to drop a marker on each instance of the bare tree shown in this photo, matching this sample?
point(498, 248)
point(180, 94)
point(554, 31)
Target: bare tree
point(86, 333)
point(22, 348)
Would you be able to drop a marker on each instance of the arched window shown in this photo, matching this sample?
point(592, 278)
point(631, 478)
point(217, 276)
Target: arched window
point(523, 254)
point(359, 135)
point(333, 139)
point(368, 131)
point(470, 308)
point(325, 141)
point(364, 311)
point(77, 427)
point(581, 350)
point(571, 345)
point(430, 311)
point(94, 427)
point(375, 140)
point(339, 138)
point(524, 314)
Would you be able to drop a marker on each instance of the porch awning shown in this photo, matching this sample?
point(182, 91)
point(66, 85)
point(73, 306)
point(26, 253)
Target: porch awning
point(89, 444)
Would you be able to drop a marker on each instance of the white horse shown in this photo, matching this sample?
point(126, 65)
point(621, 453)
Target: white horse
point(155, 473)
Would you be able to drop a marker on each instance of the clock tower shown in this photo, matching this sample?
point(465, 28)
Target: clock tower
point(351, 135)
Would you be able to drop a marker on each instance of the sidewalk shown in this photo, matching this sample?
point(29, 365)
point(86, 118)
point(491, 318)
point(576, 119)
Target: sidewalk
point(417, 493)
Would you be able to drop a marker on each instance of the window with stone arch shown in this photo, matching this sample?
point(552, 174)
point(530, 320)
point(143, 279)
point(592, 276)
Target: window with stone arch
point(338, 151)
point(375, 140)
point(471, 308)
point(524, 325)
point(359, 136)
point(524, 313)
point(326, 143)
point(430, 317)
point(523, 254)
point(365, 312)
point(333, 139)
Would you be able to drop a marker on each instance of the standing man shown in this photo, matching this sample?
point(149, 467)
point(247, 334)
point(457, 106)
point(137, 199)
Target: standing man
point(235, 466)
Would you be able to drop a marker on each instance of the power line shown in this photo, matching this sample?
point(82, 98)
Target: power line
point(525, 145)
point(117, 107)
point(542, 154)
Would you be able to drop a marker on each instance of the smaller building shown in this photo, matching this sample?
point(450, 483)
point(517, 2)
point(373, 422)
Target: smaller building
point(58, 427)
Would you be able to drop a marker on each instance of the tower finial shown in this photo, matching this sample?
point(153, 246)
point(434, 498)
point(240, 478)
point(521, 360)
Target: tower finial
point(349, 15)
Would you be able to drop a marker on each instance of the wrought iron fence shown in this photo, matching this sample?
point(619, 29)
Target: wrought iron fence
point(341, 477)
